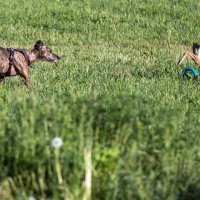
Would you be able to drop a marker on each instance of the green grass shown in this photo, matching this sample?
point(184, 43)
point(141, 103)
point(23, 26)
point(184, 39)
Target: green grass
point(116, 90)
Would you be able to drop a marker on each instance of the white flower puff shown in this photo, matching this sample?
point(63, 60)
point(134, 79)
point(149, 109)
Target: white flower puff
point(56, 142)
point(31, 198)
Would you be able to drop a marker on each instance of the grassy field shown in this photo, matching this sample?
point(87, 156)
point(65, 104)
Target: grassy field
point(116, 94)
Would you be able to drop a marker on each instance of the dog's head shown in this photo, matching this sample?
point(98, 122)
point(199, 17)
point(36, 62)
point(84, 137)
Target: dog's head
point(45, 53)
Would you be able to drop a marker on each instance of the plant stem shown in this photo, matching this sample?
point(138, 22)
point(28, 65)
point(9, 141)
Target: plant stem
point(57, 166)
point(88, 173)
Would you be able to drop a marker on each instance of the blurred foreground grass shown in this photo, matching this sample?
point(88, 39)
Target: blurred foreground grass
point(116, 91)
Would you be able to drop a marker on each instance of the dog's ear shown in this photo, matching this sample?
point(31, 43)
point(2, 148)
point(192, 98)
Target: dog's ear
point(39, 44)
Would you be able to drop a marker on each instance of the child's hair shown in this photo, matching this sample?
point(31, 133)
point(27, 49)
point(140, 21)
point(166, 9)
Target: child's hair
point(196, 48)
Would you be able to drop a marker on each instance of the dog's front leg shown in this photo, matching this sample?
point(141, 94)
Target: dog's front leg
point(1, 79)
point(26, 79)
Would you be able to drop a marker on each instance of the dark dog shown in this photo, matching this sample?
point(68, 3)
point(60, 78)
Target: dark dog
point(194, 54)
point(17, 61)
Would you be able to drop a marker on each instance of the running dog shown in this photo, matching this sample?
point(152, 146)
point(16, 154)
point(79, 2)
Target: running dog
point(17, 61)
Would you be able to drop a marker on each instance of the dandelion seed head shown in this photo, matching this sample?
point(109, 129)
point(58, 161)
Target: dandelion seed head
point(56, 142)
point(31, 198)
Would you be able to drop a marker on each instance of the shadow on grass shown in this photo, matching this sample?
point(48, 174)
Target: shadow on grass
point(192, 193)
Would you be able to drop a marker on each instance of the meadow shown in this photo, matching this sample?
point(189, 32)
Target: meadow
point(115, 94)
